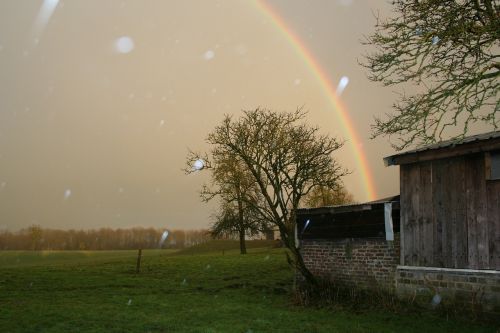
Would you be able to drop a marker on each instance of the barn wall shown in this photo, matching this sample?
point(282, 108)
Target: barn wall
point(450, 214)
point(365, 263)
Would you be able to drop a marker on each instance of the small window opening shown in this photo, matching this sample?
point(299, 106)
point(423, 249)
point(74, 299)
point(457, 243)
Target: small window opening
point(493, 165)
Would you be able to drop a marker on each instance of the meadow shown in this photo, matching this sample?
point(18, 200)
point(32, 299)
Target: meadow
point(196, 290)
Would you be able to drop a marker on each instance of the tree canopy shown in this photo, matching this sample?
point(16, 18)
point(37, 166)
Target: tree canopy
point(449, 51)
point(286, 159)
point(323, 196)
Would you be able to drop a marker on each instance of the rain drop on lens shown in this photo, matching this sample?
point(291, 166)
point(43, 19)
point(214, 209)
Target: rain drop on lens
point(343, 82)
point(163, 237)
point(209, 55)
point(198, 164)
point(436, 300)
point(124, 44)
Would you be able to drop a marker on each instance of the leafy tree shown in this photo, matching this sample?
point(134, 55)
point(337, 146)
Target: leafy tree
point(324, 196)
point(287, 160)
point(449, 51)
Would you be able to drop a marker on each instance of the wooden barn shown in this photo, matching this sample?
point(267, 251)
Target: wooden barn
point(450, 219)
point(440, 236)
point(450, 203)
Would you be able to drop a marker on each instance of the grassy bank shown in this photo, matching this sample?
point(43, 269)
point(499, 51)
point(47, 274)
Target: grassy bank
point(100, 292)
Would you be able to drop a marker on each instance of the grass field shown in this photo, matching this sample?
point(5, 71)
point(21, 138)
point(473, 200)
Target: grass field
point(202, 292)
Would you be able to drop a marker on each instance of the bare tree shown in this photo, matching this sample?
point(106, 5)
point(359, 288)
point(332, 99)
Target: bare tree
point(449, 51)
point(238, 193)
point(229, 222)
point(35, 233)
point(286, 158)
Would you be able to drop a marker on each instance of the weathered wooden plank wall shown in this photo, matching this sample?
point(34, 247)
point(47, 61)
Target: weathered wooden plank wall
point(450, 214)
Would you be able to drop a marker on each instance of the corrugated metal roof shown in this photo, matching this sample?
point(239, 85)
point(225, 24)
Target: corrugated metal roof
point(447, 144)
point(365, 205)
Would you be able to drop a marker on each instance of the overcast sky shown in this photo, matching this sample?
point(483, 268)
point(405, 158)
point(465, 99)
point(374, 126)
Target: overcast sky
point(100, 100)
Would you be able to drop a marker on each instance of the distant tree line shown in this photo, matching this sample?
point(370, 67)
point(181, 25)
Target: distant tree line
point(37, 238)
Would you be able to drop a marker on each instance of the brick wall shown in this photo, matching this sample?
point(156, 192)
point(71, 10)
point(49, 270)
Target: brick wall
point(466, 286)
point(364, 263)
point(374, 264)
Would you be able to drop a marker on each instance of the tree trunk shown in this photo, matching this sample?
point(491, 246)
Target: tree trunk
point(243, 248)
point(241, 222)
point(288, 239)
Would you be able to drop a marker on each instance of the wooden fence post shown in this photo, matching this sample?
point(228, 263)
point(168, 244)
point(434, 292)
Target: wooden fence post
point(138, 267)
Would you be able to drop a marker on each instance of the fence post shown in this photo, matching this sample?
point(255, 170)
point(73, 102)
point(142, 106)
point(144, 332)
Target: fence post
point(138, 267)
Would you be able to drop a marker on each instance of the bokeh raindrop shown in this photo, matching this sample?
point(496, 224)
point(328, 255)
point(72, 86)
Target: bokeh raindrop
point(124, 44)
point(343, 82)
point(209, 55)
point(198, 164)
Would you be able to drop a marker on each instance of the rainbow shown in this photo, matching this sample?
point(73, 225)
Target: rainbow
point(305, 54)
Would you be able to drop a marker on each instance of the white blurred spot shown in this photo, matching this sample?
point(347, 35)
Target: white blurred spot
point(3, 184)
point(67, 194)
point(296, 82)
point(209, 55)
point(124, 44)
point(344, 81)
point(198, 164)
point(162, 122)
point(305, 226)
point(436, 300)
point(214, 90)
point(163, 98)
point(184, 282)
point(435, 40)
point(131, 96)
point(418, 31)
point(163, 237)
point(44, 15)
point(129, 302)
point(120, 190)
point(208, 267)
point(267, 257)
point(157, 190)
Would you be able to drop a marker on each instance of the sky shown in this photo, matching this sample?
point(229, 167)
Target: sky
point(101, 100)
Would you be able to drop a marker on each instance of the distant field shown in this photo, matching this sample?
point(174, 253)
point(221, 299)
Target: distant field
point(202, 292)
point(36, 258)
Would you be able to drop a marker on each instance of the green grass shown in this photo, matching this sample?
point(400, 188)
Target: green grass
point(36, 258)
point(227, 246)
point(100, 292)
